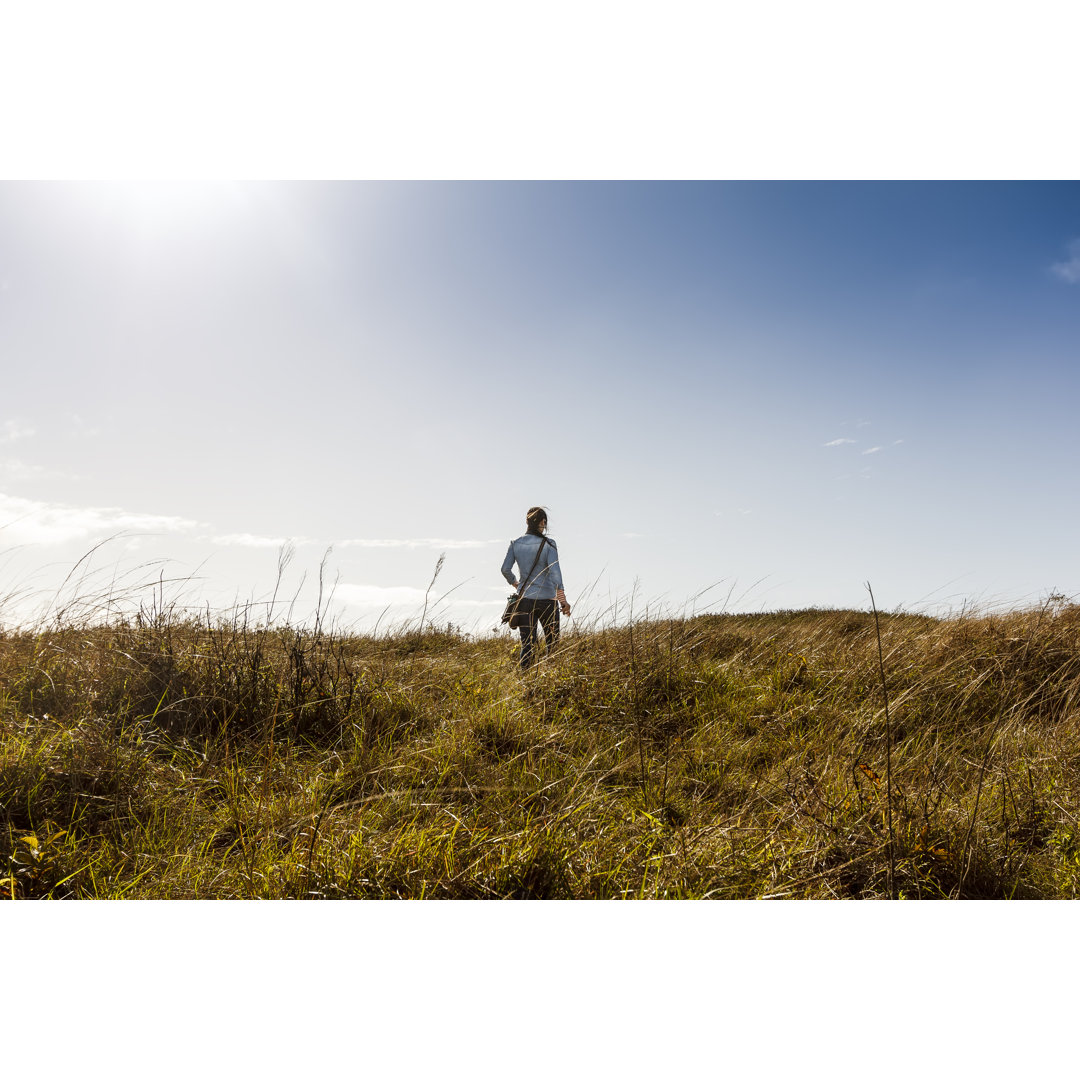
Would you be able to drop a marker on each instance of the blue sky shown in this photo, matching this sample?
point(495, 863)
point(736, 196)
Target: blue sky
point(780, 390)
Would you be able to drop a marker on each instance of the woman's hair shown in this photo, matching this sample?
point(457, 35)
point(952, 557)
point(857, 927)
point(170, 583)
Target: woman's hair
point(536, 520)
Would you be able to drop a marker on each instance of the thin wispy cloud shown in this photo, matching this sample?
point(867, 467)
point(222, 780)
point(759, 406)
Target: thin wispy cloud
point(14, 470)
point(256, 541)
point(378, 596)
point(426, 542)
point(1069, 270)
point(838, 442)
point(26, 521)
point(80, 429)
point(872, 450)
point(14, 430)
point(251, 540)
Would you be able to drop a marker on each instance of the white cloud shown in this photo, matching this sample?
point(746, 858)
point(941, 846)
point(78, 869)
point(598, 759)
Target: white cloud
point(1070, 269)
point(405, 601)
point(872, 450)
point(254, 540)
point(24, 521)
point(838, 442)
point(13, 469)
point(434, 544)
point(80, 429)
point(378, 596)
point(251, 540)
point(455, 603)
point(13, 430)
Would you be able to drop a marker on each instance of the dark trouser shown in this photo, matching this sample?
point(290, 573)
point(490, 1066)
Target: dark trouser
point(544, 613)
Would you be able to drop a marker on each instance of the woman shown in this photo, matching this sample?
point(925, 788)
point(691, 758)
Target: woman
point(537, 559)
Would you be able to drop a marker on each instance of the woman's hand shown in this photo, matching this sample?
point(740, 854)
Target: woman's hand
point(564, 607)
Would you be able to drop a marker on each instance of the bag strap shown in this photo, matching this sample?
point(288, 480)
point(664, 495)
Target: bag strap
point(525, 583)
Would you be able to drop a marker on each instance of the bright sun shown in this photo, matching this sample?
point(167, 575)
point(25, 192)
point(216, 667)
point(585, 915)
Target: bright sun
point(159, 206)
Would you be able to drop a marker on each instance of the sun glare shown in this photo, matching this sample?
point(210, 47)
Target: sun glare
point(161, 206)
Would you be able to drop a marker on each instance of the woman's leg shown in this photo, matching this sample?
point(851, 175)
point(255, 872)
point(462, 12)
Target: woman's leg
point(528, 633)
point(548, 615)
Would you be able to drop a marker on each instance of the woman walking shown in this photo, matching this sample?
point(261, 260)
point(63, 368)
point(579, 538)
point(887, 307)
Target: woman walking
point(539, 583)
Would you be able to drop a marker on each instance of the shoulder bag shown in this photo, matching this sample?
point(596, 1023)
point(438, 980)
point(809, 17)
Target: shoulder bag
point(511, 615)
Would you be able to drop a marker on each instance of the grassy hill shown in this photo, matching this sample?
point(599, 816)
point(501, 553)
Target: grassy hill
point(725, 756)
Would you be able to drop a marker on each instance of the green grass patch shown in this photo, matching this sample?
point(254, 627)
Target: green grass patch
point(721, 756)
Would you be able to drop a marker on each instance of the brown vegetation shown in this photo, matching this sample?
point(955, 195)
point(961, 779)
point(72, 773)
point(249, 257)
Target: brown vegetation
point(726, 756)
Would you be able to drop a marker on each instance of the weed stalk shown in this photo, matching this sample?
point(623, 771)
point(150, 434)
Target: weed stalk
point(888, 749)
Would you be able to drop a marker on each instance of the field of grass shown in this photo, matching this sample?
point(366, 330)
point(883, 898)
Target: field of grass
point(723, 756)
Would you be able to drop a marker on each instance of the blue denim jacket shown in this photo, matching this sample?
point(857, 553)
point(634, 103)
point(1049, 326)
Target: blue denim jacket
point(546, 578)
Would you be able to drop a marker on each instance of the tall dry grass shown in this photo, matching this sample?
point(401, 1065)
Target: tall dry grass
point(725, 756)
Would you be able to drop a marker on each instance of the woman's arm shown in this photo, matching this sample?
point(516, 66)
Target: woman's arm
point(508, 566)
point(555, 570)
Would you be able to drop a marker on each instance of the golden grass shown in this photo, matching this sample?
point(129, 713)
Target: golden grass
point(725, 756)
